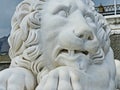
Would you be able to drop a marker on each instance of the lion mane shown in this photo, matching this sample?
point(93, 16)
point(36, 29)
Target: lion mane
point(24, 40)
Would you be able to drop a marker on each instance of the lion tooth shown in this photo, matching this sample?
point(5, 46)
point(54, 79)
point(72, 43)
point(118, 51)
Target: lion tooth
point(71, 52)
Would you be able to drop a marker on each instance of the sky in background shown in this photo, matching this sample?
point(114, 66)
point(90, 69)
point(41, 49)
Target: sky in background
point(7, 8)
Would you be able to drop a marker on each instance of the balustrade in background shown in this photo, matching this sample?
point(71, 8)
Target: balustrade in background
point(108, 10)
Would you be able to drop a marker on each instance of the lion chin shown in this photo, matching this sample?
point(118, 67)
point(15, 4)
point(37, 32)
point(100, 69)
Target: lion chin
point(59, 45)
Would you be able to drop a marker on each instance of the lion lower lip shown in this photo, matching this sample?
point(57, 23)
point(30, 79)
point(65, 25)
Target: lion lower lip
point(65, 56)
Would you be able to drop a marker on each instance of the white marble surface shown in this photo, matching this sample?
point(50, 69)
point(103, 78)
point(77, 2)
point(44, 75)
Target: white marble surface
point(59, 45)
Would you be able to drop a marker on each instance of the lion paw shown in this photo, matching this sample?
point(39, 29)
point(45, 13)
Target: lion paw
point(62, 78)
point(16, 79)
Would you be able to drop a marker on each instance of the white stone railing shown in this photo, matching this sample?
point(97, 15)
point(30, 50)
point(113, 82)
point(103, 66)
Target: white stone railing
point(114, 23)
point(108, 10)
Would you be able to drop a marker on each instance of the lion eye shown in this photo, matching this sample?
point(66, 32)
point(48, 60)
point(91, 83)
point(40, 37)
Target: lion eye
point(62, 13)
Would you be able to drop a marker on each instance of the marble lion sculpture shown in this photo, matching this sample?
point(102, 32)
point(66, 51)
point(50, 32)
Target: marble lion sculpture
point(59, 45)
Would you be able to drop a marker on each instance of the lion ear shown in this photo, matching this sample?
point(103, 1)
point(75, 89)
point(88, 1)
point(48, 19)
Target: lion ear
point(26, 20)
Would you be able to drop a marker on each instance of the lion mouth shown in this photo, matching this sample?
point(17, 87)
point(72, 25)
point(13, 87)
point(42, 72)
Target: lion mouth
point(70, 53)
point(75, 54)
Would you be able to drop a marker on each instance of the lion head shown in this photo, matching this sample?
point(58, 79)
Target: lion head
point(46, 35)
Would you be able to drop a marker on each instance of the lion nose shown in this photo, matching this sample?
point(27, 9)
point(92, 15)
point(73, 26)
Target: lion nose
point(85, 34)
